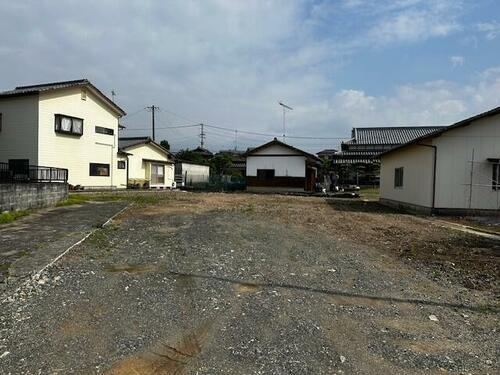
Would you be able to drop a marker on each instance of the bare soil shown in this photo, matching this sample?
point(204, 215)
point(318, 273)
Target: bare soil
point(185, 283)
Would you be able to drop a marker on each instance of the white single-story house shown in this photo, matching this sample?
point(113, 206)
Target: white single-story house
point(149, 164)
point(454, 170)
point(188, 173)
point(69, 125)
point(277, 166)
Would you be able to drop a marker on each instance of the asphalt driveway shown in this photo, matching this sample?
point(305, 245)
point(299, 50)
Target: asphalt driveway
point(188, 288)
point(31, 242)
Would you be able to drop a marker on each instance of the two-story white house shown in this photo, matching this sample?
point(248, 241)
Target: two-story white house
point(70, 125)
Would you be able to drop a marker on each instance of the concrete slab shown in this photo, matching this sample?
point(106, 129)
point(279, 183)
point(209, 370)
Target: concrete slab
point(28, 244)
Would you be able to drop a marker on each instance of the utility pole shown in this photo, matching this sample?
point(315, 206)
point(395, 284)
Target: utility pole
point(285, 107)
point(235, 140)
point(113, 93)
point(152, 108)
point(202, 136)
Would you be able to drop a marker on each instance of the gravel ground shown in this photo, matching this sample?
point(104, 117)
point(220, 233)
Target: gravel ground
point(221, 284)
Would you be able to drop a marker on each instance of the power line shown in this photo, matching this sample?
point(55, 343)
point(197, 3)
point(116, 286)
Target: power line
point(134, 113)
point(165, 127)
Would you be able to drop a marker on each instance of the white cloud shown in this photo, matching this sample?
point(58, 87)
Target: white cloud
point(490, 29)
point(457, 61)
point(228, 63)
point(416, 20)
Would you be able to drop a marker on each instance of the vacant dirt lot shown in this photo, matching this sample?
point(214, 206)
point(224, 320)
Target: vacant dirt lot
point(249, 284)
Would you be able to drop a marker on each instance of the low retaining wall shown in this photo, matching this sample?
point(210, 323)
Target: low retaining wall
point(23, 196)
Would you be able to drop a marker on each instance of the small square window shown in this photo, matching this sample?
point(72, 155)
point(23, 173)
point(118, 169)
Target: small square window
point(121, 164)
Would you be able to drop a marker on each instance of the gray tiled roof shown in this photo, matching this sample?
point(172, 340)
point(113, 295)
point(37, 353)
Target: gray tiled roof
point(352, 157)
point(45, 87)
point(129, 141)
point(390, 135)
point(33, 89)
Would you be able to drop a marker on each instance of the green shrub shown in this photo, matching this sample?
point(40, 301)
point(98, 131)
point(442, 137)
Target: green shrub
point(10, 216)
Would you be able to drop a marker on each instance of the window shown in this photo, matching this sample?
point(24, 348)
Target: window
point(121, 164)
point(68, 125)
point(265, 174)
point(398, 177)
point(102, 130)
point(495, 183)
point(99, 169)
point(157, 174)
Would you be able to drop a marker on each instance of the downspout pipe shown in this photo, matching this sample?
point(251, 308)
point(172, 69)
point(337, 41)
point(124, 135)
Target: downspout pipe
point(433, 207)
point(126, 182)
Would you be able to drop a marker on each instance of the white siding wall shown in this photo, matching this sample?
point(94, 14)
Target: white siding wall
point(453, 171)
point(277, 150)
point(417, 162)
point(284, 166)
point(19, 133)
point(454, 167)
point(73, 152)
point(121, 174)
point(139, 169)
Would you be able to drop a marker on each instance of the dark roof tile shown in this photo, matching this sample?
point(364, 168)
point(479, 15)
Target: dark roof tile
point(390, 135)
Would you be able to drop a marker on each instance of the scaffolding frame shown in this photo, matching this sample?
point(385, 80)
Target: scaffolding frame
point(493, 183)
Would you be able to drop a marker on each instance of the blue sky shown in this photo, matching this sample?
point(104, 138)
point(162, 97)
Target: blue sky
point(338, 63)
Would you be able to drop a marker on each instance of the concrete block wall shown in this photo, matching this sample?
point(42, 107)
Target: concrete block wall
point(23, 196)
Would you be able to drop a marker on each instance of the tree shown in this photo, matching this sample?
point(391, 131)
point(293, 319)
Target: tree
point(221, 164)
point(165, 144)
point(189, 155)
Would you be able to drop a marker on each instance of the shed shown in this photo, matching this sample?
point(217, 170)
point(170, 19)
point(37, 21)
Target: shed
point(454, 170)
point(277, 166)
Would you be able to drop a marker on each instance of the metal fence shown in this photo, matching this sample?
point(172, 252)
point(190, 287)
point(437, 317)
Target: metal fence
point(21, 172)
point(220, 183)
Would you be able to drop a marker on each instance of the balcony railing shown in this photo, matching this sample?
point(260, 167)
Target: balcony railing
point(31, 173)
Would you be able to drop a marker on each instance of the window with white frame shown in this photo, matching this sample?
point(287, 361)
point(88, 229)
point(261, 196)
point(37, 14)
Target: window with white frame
point(68, 125)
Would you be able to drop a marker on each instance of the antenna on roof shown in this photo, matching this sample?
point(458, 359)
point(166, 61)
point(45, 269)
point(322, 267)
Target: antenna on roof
point(113, 93)
point(284, 108)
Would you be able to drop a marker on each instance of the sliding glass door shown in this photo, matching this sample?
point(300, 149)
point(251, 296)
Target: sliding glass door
point(157, 174)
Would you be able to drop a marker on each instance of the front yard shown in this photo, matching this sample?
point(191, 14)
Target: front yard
point(185, 283)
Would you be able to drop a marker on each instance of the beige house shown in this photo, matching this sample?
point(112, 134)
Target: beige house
point(68, 125)
point(276, 166)
point(149, 164)
point(454, 170)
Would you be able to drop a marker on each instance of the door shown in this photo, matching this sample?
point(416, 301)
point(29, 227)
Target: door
point(157, 174)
